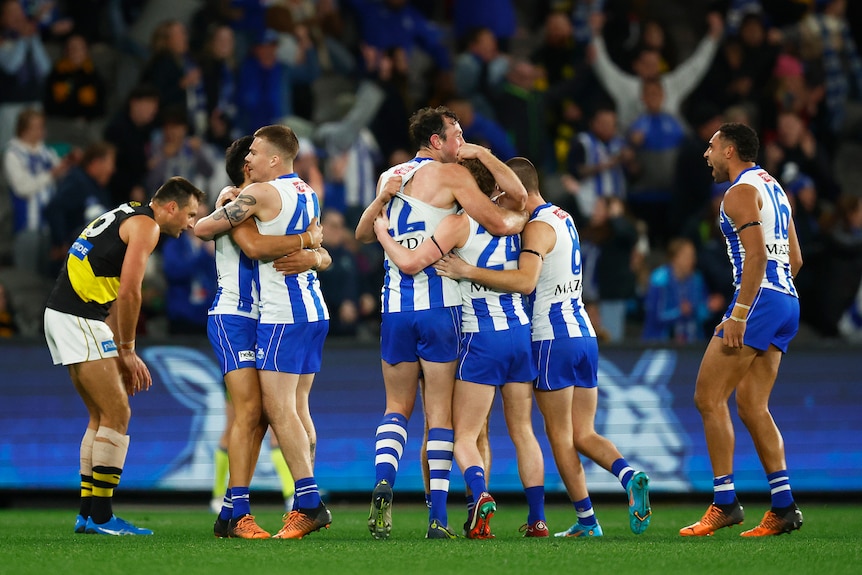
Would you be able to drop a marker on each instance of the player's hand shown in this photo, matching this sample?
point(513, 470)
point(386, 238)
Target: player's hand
point(296, 262)
point(734, 333)
point(390, 188)
point(226, 195)
point(381, 224)
point(136, 376)
point(471, 151)
point(451, 266)
point(315, 233)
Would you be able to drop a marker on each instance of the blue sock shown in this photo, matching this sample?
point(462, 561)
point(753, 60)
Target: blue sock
point(441, 441)
point(586, 515)
point(779, 487)
point(389, 444)
point(307, 494)
point(428, 505)
point(474, 477)
point(241, 505)
point(724, 492)
point(623, 471)
point(226, 506)
point(536, 502)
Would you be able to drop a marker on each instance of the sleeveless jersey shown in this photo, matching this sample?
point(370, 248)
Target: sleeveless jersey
point(558, 311)
point(90, 278)
point(411, 222)
point(775, 220)
point(238, 281)
point(484, 309)
point(294, 298)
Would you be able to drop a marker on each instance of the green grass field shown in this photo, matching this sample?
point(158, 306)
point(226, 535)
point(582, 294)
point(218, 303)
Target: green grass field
point(41, 541)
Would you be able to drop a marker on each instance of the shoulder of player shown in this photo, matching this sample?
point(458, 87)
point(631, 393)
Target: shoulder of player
point(139, 226)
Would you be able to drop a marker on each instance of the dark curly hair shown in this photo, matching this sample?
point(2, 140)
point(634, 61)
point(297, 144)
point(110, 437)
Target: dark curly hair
point(743, 138)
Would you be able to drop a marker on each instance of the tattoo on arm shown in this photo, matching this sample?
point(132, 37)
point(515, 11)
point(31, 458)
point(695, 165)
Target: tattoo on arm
point(237, 211)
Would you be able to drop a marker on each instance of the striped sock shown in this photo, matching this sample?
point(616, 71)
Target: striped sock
point(586, 515)
point(239, 497)
point(226, 506)
point(441, 442)
point(390, 440)
point(724, 492)
point(779, 488)
point(307, 494)
point(536, 502)
point(623, 471)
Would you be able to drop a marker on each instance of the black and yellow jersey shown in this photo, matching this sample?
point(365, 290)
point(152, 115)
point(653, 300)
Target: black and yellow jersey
point(90, 278)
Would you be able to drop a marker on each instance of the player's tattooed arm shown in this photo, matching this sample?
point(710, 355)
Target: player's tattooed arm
point(238, 210)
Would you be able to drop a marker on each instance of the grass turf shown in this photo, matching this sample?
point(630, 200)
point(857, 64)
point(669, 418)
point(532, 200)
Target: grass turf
point(41, 541)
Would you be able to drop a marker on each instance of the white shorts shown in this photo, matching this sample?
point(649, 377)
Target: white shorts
point(73, 339)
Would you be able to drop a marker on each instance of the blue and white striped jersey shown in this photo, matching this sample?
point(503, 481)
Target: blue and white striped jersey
point(238, 282)
point(775, 220)
point(558, 310)
point(484, 309)
point(295, 298)
point(411, 222)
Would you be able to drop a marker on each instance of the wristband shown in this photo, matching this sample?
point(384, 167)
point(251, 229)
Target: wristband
point(738, 319)
point(126, 345)
point(319, 259)
point(742, 305)
point(301, 241)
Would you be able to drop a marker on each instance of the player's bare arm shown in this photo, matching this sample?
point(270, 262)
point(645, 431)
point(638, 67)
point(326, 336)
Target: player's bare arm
point(302, 261)
point(537, 241)
point(250, 202)
point(385, 191)
point(506, 179)
point(266, 248)
point(497, 220)
point(452, 232)
point(141, 235)
point(742, 205)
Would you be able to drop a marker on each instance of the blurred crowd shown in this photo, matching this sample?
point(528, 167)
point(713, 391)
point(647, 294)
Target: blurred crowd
point(614, 101)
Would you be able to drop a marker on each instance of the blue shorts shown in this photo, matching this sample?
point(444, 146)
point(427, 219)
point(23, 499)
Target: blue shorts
point(566, 362)
point(497, 357)
point(431, 334)
point(291, 348)
point(234, 339)
point(773, 319)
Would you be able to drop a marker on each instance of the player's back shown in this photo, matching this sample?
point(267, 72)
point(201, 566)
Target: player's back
point(238, 281)
point(485, 309)
point(775, 217)
point(294, 298)
point(558, 308)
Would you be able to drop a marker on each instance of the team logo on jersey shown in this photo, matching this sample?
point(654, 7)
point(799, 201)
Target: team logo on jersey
point(246, 355)
point(108, 346)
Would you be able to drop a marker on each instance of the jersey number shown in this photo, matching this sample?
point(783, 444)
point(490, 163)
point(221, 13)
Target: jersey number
point(781, 210)
point(101, 224)
point(576, 246)
point(513, 251)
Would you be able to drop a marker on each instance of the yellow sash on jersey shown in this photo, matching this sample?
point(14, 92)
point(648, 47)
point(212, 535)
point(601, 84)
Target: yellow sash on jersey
point(88, 286)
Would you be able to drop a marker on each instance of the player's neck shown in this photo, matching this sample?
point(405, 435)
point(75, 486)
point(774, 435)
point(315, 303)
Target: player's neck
point(734, 171)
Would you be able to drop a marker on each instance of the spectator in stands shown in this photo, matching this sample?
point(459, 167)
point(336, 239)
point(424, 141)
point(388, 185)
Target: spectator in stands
point(796, 144)
point(130, 131)
point(520, 107)
point(220, 86)
point(625, 88)
point(32, 170)
point(389, 71)
point(307, 166)
point(8, 327)
point(24, 64)
point(675, 308)
point(388, 24)
point(189, 268)
point(597, 159)
point(52, 21)
point(298, 51)
point(480, 71)
point(692, 185)
point(175, 74)
point(790, 90)
point(479, 129)
point(656, 137)
point(498, 16)
point(341, 282)
point(81, 197)
point(265, 97)
point(842, 269)
point(609, 246)
point(176, 153)
point(75, 89)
